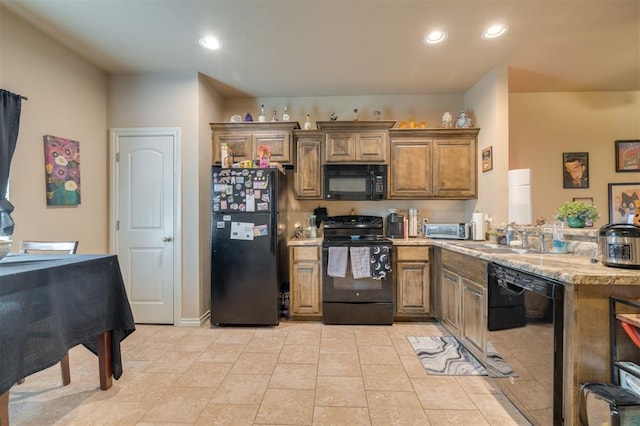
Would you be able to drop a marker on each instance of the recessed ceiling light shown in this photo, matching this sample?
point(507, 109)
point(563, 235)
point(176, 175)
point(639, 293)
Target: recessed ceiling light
point(494, 31)
point(210, 43)
point(435, 37)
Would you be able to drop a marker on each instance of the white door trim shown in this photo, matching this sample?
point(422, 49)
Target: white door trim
point(176, 134)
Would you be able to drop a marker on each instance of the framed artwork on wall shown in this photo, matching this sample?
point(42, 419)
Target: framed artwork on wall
point(575, 169)
point(628, 156)
point(622, 201)
point(62, 171)
point(487, 159)
point(583, 199)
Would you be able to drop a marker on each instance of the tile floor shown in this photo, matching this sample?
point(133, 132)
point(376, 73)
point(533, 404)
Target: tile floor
point(298, 373)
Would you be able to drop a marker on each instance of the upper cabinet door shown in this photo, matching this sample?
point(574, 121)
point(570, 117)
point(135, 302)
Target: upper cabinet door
point(240, 145)
point(372, 147)
point(280, 143)
point(410, 174)
point(454, 168)
point(340, 147)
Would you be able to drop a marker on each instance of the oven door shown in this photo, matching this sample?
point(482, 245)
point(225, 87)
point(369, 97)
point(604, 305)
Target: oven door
point(352, 290)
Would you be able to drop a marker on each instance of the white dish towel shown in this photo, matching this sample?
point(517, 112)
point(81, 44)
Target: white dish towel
point(337, 263)
point(360, 262)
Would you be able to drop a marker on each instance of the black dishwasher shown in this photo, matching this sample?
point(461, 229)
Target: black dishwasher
point(525, 322)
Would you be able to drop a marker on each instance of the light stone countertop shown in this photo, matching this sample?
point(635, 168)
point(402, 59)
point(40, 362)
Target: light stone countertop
point(566, 268)
point(304, 242)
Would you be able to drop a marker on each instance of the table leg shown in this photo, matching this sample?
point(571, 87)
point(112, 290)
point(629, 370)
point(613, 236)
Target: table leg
point(4, 409)
point(104, 360)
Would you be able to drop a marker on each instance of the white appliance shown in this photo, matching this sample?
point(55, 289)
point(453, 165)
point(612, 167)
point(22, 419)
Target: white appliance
point(519, 197)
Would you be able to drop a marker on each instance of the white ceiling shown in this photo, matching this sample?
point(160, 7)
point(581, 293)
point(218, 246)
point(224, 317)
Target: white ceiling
point(287, 48)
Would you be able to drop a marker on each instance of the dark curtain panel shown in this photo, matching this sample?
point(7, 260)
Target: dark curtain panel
point(10, 106)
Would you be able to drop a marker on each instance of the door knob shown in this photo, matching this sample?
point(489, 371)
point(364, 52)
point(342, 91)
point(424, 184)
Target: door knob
point(166, 239)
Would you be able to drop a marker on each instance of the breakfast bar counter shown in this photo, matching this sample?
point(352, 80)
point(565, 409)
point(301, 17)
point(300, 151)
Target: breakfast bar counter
point(588, 286)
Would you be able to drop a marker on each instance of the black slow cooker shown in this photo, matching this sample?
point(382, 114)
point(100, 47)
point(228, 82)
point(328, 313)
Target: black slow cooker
point(620, 245)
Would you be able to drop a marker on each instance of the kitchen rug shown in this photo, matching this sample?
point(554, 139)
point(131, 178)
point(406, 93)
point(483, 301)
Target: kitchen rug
point(445, 356)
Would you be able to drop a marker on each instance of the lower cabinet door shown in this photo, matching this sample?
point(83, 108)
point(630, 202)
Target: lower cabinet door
point(450, 301)
point(412, 288)
point(305, 294)
point(474, 318)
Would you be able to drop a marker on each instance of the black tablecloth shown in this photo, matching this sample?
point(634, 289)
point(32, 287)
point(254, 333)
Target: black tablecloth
point(51, 303)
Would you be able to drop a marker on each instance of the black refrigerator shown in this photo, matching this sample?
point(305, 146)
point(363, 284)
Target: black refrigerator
point(247, 240)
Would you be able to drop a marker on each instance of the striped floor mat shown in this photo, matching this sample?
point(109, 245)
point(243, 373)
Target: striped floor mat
point(445, 356)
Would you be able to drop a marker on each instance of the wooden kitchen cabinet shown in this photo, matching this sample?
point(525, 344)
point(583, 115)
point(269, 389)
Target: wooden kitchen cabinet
point(413, 283)
point(245, 138)
point(450, 301)
point(473, 316)
point(306, 281)
point(433, 163)
point(308, 168)
point(356, 141)
point(463, 290)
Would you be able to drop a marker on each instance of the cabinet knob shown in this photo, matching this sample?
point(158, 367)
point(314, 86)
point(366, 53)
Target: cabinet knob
point(166, 239)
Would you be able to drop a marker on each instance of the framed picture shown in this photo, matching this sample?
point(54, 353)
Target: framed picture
point(584, 199)
point(575, 169)
point(622, 201)
point(628, 156)
point(62, 171)
point(487, 159)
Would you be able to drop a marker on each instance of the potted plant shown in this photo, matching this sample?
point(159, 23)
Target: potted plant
point(576, 212)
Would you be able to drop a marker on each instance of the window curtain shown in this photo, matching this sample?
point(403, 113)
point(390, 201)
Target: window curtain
point(10, 107)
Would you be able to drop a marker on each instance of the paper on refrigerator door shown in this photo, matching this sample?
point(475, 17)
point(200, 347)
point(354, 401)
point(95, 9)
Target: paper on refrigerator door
point(241, 231)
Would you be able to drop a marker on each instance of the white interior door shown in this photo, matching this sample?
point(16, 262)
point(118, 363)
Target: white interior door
point(144, 231)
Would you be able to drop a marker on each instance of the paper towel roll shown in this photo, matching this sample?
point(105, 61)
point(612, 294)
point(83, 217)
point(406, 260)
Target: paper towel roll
point(479, 224)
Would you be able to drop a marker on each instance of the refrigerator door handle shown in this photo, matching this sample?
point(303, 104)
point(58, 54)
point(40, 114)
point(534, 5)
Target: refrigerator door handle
point(274, 234)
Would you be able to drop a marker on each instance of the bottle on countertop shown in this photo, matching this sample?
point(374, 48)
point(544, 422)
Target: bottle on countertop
point(261, 117)
point(285, 114)
point(413, 222)
point(510, 234)
point(307, 123)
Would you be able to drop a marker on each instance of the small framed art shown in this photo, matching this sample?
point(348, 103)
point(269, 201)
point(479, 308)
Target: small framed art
point(622, 201)
point(575, 169)
point(487, 159)
point(628, 156)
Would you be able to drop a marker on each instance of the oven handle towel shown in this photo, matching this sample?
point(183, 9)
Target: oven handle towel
point(360, 262)
point(337, 262)
point(381, 262)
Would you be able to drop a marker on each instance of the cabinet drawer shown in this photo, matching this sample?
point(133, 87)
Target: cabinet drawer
point(306, 253)
point(469, 266)
point(413, 253)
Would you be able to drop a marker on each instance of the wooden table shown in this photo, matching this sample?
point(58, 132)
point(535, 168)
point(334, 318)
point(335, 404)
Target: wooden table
point(51, 303)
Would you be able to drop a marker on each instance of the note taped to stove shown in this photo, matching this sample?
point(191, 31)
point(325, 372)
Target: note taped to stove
point(241, 231)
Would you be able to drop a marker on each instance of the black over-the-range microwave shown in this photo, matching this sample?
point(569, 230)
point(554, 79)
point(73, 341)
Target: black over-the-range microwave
point(355, 182)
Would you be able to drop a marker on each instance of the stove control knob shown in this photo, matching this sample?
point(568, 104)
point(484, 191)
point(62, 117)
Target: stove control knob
point(357, 294)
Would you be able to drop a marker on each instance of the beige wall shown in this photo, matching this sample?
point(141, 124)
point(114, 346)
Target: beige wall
point(544, 125)
point(209, 109)
point(67, 98)
point(487, 102)
point(428, 108)
point(172, 100)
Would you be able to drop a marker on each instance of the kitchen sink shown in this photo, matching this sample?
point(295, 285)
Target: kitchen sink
point(493, 248)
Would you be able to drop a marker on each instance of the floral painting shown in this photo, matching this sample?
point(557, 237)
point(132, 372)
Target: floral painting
point(62, 167)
